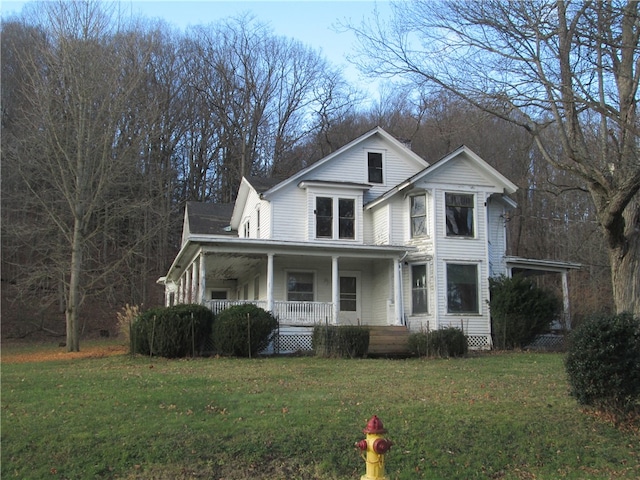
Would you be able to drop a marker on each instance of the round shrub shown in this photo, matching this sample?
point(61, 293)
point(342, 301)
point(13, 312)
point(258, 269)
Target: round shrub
point(172, 332)
point(340, 341)
point(520, 311)
point(243, 330)
point(444, 343)
point(603, 363)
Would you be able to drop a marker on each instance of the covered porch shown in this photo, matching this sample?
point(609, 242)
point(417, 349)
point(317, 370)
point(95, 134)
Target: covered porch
point(302, 284)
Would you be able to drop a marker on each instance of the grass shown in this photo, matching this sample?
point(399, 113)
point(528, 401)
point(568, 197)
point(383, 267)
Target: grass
point(492, 416)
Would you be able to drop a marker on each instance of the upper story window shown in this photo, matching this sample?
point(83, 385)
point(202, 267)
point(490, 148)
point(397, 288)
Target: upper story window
point(258, 223)
point(374, 167)
point(418, 216)
point(329, 221)
point(459, 214)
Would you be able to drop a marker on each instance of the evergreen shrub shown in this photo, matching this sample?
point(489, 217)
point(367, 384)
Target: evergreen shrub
point(172, 332)
point(244, 330)
point(520, 311)
point(444, 343)
point(340, 341)
point(603, 363)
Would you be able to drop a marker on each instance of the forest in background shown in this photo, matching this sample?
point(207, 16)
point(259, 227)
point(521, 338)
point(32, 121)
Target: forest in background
point(109, 128)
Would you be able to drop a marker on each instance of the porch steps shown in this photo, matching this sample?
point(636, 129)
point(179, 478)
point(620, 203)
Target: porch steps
point(388, 340)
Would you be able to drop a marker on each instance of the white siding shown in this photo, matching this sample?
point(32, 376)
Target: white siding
point(380, 225)
point(290, 214)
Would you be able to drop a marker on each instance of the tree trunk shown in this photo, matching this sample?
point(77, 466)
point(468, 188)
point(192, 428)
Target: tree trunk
point(625, 262)
point(73, 303)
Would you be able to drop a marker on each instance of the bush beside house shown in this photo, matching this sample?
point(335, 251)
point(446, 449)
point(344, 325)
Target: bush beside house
point(244, 330)
point(340, 341)
point(520, 311)
point(443, 343)
point(172, 332)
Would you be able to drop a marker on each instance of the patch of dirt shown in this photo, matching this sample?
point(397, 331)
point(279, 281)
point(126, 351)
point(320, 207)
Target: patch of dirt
point(15, 355)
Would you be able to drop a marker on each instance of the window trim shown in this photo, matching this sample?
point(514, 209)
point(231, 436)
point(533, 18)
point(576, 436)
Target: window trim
point(335, 217)
point(477, 311)
point(474, 225)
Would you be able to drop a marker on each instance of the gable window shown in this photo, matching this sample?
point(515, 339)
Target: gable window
point(300, 286)
point(341, 221)
point(419, 289)
point(462, 288)
point(418, 216)
point(374, 166)
point(459, 214)
point(324, 217)
point(346, 218)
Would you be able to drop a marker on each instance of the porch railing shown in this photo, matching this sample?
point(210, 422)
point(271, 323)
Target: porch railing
point(289, 313)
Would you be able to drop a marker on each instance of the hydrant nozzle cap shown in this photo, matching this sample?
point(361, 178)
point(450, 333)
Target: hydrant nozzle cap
point(375, 426)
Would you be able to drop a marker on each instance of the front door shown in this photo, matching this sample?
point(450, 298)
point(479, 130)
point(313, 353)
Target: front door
point(350, 298)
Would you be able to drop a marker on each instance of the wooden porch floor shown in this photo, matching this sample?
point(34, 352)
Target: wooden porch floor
point(388, 340)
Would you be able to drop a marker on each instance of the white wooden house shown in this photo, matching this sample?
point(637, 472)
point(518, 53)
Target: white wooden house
point(371, 234)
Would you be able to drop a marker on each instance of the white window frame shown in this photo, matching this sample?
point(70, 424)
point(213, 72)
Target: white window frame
point(411, 216)
point(335, 217)
point(426, 288)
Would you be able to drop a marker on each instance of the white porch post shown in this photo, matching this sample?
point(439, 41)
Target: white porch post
point(566, 309)
point(270, 282)
point(167, 296)
point(202, 282)
point(335, 289)
point(181, 289)
point(194, 283)
point(397, 297)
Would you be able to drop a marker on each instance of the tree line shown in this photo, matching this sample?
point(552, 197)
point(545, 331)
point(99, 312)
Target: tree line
point(110, 125)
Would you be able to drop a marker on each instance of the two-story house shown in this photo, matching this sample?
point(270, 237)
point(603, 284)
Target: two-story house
point(371, 234)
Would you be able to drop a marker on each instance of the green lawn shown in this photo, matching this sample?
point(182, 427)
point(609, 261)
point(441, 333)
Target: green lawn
point(490, 416)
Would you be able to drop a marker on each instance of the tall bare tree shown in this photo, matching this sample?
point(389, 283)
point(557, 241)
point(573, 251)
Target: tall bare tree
point(567, 72)
point(75, 157)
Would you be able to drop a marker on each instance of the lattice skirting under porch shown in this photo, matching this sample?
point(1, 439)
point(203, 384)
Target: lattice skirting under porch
point(478, 342)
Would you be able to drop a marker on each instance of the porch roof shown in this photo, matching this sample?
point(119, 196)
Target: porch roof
point(541, 265)
point(236, 253)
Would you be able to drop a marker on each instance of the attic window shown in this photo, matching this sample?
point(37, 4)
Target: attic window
point(374, 165)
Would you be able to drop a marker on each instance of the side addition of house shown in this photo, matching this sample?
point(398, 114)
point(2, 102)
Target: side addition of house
point(370, 235)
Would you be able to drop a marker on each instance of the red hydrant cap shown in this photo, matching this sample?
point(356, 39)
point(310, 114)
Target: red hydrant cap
point(375, 426)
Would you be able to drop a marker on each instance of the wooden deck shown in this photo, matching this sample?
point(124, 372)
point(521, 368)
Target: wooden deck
point(390, 340)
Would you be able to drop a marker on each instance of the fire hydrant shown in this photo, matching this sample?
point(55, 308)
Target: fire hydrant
point(376, 446)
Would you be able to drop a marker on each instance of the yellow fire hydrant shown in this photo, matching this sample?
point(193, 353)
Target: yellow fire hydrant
point(375, 446)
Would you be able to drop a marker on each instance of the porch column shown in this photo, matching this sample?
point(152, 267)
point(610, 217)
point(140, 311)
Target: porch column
point(167, 296)
point(181, 289)
point(202, 282)
point(194, 283)
point(566, 309)
point(335, 289)
point(397, 297)
point(270, 282)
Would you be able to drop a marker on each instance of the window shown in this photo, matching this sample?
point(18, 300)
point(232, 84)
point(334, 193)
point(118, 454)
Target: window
point(218, 294)
point(324, 217)
point(419, 289)
point(300, 286)
point(462, 288)
point(418, 216)
point(247, 229)
point(256, 288)
point(459, 213)
point(346, 218)
point(348, 301)
point(258, 223)
point(374, 165)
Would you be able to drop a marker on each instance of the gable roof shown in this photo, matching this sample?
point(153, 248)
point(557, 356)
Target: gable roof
point(208, 218)
point(376, 131)
point(507, 185)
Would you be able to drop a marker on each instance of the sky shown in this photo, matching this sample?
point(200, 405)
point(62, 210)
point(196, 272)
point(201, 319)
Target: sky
point(312, 22)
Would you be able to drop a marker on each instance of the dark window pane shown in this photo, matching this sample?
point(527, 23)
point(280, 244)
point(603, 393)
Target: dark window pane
point(324, 217)
point(375, 167)
point(346, 214)
point(462, 288)
point(300, 287)
point(459, 215)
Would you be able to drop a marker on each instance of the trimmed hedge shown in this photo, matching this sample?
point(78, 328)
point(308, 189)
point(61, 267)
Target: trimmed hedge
point(172, 332)
point(340, 341)
point(444, 343)
point(520, 311)
point(603, 363)
point(244, 330)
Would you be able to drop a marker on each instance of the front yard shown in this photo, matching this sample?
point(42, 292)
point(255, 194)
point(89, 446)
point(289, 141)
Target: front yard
point(487, 416)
